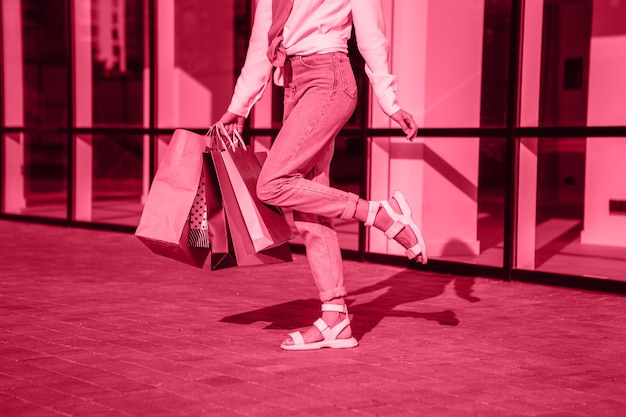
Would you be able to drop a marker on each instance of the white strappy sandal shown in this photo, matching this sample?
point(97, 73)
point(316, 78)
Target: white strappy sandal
point(329, 333)
point(400, 221)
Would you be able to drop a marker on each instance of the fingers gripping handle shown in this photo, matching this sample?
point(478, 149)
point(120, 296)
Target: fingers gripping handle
point(225, 140)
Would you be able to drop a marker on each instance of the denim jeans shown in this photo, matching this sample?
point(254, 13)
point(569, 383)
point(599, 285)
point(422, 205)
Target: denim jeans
point(320, 97)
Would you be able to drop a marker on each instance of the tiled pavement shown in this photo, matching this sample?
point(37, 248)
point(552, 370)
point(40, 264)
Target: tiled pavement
point(93, 324)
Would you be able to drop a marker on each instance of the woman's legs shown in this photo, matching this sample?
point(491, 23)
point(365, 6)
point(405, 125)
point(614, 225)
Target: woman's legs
point(320, 96)
point(295, 174)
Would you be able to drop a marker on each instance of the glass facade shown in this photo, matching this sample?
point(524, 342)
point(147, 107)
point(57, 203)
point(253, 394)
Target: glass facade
point(111, 63)
point(517, 171)
point(41, 188)
point(570, 180)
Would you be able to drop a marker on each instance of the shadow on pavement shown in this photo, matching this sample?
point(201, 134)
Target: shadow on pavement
point(406, 287)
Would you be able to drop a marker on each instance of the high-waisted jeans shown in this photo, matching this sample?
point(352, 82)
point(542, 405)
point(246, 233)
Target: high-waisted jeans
point(320, 97)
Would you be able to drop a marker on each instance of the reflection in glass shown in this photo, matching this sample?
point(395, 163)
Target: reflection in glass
point(495, 57)
point(455, 187)
point(36, 60)
point(565, 63)
point(42, 189)
point(491, 192)
point(450, 61)
point(578, 231)
point(560, 195)
point(117, 179)
point(573, 63)
point(489, 215)
point(197, 48)
point(346, 173)
point(110, 63)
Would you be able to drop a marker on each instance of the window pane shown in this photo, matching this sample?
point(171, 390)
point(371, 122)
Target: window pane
point(455, 187)
point(574, 63)
point(36, 59)
point(35, 175)
point(491, 192)
point(196, 59)
point(346, 173)
point(580, 217)
point(451, 62)
point(117, 179)
point(111, 63)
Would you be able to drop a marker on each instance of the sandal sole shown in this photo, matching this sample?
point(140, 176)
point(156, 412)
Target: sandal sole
point(331, 344)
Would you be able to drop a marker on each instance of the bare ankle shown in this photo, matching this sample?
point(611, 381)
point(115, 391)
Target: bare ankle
point(362, 209)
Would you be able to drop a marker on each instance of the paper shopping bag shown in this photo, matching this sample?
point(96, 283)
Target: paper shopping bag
point(229, 248)
point(238, 169)
point(198, 218)
point(222, 253)
point(165, 219)
point(239, 243)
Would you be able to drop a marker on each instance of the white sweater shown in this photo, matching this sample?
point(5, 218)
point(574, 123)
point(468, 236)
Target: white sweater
point(318, 26)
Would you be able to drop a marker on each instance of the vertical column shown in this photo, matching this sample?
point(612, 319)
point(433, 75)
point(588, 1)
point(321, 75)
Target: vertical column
point(146, 155)
point(166, 109)
point(529, 117)
point(166, 69)
point(83, 105)
point(436, 54)
point(14, 201)
point(406, 24)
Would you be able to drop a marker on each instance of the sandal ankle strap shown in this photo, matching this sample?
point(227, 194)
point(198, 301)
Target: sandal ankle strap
point(337, 308)
point(374, 206)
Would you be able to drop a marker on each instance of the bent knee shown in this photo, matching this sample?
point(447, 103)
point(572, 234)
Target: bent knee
point(267, 191)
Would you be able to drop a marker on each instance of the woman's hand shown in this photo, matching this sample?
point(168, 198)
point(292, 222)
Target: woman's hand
point(232, 122)
point(406, 122)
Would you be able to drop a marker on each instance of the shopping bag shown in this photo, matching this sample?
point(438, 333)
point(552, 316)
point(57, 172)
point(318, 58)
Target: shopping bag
point(230, 246)
point(165, 220)
point(222, 253)
point(240, 252)
point(240, 242)
point(198, 219)
point(237, 168)
point(239, 248)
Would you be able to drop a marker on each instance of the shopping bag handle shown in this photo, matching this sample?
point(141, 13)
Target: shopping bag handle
point(211, 136)
point(220, 132)
point(240, 141)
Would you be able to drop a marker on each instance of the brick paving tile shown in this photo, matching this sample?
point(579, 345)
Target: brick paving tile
point(9, 402)
point(130, 404)
point(93, 324)
point(81, 407)
point(32, 410)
